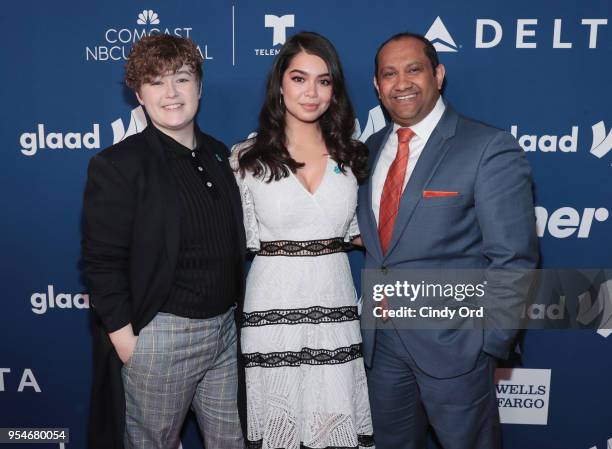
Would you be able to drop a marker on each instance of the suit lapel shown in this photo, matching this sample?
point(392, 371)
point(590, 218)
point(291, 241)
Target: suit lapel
point(426, 166)
point(374, 156)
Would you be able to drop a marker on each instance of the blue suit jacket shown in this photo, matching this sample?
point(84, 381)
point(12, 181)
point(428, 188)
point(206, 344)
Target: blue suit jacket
point(489, 225)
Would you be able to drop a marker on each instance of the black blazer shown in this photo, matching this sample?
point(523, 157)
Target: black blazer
point(130, 245)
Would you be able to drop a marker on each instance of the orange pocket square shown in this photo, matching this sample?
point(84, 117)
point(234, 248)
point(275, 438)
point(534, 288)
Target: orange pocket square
point(437, 193)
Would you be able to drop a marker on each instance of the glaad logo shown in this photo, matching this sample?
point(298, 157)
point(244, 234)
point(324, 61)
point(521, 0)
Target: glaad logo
point(608, 446)
point(27, 380)
point(539, 311)
point(117, 41)
point(440, 37)
point(600, 309)
point(376, 122)
point(279, 26)
point(138, 122)
point(522, 395)
point(31, 142)
point(489, 33)
point(547, 143)
point(148, 16)
point(550, 143)
point(602, 144)
point(563, 222)
point(41, 302)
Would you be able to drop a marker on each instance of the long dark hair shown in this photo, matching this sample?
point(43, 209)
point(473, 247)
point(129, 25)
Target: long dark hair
point(266, 154)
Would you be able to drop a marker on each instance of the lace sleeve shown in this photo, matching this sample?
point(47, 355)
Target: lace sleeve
point(353, 229)
point(251, 227)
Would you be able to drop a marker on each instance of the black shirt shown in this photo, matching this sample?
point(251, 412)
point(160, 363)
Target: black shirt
point(206, 278)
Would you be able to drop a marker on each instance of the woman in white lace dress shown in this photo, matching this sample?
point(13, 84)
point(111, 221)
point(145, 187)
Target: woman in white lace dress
point(306, 383)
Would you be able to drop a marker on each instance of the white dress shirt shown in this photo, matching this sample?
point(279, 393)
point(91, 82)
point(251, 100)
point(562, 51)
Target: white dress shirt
point(422, 131)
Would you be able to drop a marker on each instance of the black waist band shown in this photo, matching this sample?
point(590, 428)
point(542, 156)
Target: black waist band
point(304, 247)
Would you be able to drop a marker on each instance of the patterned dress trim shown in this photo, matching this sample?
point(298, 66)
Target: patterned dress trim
point(309, 315)
point(363, 441)
point(296, 248)
point(306, 356)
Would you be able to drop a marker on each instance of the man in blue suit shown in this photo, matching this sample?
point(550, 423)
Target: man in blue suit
point(446, 192)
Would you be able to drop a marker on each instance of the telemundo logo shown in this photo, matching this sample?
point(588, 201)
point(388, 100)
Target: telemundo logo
point(279, 25)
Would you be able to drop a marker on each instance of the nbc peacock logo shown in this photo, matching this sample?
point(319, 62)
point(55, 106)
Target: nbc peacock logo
point(148, 17)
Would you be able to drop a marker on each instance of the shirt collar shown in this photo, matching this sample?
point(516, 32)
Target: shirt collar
point(425, 127)
point(177, 149)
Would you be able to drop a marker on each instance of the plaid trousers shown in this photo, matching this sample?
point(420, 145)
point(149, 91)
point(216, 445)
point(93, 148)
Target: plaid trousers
point(180, 363)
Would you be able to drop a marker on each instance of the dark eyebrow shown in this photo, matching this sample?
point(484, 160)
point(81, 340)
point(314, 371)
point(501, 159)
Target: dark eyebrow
point(302, 72)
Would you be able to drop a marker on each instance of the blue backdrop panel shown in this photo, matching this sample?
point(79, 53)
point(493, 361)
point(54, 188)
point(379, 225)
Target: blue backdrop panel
point(538, 69)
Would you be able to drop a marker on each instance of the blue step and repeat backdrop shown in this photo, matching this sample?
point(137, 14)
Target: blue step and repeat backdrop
point(538, 69)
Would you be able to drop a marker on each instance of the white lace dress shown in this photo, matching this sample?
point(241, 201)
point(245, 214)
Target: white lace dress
point(306, 383)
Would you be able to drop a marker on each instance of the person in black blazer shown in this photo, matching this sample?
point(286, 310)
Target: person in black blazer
point(163, 255)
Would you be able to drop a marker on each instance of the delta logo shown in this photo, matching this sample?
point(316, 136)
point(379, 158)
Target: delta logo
point(525, 33)
point(26, 380)
point(439, 36)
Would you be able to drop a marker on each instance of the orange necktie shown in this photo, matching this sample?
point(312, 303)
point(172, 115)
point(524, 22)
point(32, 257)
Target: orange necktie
point(392, 190)
point(391, 195)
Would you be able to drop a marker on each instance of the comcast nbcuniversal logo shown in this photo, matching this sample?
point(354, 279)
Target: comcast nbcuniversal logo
point(148, 17)
point(117, 42)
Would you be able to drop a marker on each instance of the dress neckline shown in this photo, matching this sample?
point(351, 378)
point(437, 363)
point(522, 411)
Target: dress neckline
point(304, 188)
